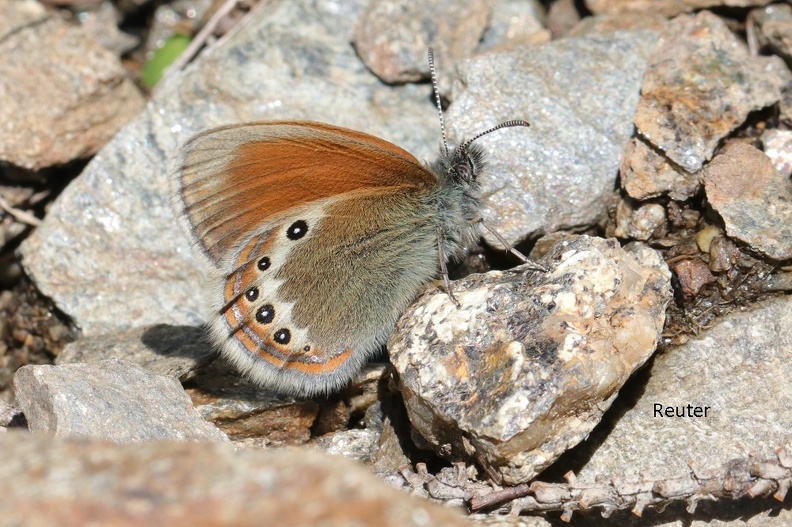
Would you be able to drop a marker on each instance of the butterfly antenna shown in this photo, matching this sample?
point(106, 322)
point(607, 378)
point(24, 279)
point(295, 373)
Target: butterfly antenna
point(433, 73)
point(507, 124)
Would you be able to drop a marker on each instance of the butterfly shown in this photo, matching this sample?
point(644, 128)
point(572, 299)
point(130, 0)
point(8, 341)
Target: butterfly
point(316, 239)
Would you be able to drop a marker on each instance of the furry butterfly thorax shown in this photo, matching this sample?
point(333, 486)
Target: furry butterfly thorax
point(316, 238)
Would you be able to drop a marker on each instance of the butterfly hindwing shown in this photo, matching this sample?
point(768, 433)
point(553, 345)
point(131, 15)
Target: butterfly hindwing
point(305, 313)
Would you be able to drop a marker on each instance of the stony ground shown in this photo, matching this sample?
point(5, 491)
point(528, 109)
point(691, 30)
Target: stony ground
point(642, 379)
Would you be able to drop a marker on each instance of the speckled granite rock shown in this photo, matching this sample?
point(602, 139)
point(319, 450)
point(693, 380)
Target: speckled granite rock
point(525, 369)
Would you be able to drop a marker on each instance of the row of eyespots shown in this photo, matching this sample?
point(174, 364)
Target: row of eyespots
point(266, 313)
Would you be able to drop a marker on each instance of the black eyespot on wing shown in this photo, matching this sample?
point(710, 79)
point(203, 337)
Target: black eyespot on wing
point(282, 336)
point(264, 263)
point(297, 230)
point(252, 294)
point(265, 314)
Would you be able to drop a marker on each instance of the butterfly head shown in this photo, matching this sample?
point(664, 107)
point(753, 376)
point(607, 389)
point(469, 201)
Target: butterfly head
point(463, 164)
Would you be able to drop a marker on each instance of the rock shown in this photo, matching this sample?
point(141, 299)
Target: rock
point(646, 173)
point(9, 414)
point(525, 369)
point(700, 86)
point(62, 104)
point(244, 410)
point(774, 28)
point(780, 281)
point(639, 221)
point(608, 24)
point(390, 456)
point(562, 16)
point(111, 399)
point(102, 25)
point(47, 482)
point(667, 8)
point(20, 15)
point(172, 351)
point(514, 22)
point(692, 275)
point(777, 146)
point(723, 254)
point(358, 444)
point(754, 200)
point(392, 36)
point(555, 174)
point(738, 370)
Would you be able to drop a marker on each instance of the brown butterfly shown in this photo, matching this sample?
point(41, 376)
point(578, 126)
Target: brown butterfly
point(318, 237)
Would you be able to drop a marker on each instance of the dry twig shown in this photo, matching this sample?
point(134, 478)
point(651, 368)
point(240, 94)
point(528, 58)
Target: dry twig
point(738, 478)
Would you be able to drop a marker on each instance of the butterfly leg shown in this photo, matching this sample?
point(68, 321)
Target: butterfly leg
point(509, 247)
point(443, 269)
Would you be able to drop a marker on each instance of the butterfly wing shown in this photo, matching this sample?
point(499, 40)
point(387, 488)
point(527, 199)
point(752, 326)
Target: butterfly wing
point(322, 235)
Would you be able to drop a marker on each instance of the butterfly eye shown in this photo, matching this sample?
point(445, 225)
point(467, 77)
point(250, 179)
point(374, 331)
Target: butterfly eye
point(264, 263)
point(463, 171)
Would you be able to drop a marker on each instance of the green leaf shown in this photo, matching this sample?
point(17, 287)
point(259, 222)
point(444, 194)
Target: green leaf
point(164, 57)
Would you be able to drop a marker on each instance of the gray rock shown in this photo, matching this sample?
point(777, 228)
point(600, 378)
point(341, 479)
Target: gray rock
point(525, 369)
point(774, 28)
point(102, 25)
point(174, 351)
point(514, 22)
point(668, 8)
point(579, 96)
point(392, 36)
point(754, 200)
point(61, 105)
point(701, 85)
point(609, 23)
point(358, 444)
point(45, 482)
point(111, 399)
point(739, 369)
point(8, 415)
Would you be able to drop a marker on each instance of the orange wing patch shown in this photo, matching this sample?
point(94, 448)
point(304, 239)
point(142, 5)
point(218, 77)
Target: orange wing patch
point(319, 365)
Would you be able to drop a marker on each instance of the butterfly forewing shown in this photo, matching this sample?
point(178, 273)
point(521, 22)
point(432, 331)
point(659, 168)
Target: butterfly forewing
point(233, 179)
